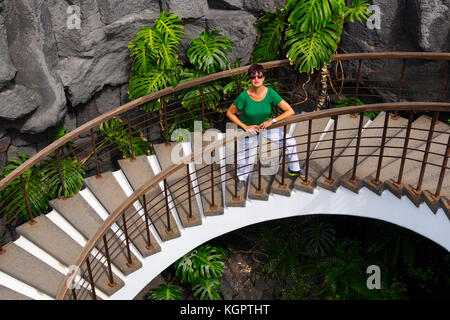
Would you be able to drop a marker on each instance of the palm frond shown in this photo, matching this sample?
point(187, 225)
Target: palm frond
point(207, 289)
point(313, 50)
point(269, 30)
point(309, 15)
point(207, 52)
point(165, 292)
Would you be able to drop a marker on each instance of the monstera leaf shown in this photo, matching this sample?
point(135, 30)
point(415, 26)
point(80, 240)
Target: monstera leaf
point(207, 52)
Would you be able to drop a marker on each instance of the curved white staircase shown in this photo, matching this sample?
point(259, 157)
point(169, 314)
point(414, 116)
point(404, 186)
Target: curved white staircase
point(34, 266)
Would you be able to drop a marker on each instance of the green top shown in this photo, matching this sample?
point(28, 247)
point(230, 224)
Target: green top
point(256, 112)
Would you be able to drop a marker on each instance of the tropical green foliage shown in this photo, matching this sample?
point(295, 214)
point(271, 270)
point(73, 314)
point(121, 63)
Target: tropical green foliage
point(155, 60)
point(165, 292)
point(116, 131)
point(282, 262)
point(207, 55)
point(270, 30)
point(207, 52)
point(308, 32)
point(14, 197)
point(203, 262)
point(203, 267)
point(207, 289)
point(319, 239)
point(72, 176)
point(350, 101)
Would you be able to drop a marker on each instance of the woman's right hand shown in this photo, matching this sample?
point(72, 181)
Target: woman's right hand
point(253, 129)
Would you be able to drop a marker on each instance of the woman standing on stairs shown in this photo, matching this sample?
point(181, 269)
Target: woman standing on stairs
point(256, 105)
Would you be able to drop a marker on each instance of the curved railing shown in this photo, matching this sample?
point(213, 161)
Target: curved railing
point(94, 265)
point(94, 151)
point(90, 148)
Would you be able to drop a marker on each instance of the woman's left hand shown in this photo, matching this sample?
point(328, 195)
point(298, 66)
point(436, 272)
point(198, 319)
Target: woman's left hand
point(265, 124)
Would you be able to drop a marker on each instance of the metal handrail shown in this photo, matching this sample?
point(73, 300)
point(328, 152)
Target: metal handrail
point(85, 128)
point(138, 193)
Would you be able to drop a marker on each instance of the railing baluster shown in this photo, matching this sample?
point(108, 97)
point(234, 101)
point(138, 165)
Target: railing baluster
point(358, 143)
point(377, 181)
point(130, 136)
point(189, 190)
point(444, 82)
point(61, 180)
point(400, 85)
point(166, 126)
point(213, 204)
point(418, 189)
point(437, 194)
point(74, 295)
point(398, 184)
point(283, 165)
point(308, 151)
point(147, 224)
point(169, 229)
point(27, 201)
point(95, 153)
point(358, 77)
point(108, 262)
point(127, 241)
point(203, 108)
point(235, 196)
point(91, 279)
point(333, 146)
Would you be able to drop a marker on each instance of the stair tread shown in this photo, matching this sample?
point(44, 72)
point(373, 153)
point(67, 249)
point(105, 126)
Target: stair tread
point(300, 135)
point(111, 195)
point(369, 146)
point(177, 183)
point(394, 149)
point(390, 170)
point(320, 157)
point(230, 189)
point(8, 294)
point(50, 238)
point(139, 172)
point(84, 219)
point(203, 174)
point(25, 267)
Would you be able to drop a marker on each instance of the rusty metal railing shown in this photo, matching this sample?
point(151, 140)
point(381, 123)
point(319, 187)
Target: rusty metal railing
point(96, 264)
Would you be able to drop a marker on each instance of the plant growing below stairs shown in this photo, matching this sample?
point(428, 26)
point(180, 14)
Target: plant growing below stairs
point(202, 268)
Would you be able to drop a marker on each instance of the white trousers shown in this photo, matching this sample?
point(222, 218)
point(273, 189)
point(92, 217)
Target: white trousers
point(248, 150)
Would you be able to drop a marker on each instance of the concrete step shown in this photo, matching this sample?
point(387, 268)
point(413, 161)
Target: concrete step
point(390, 169)
point(8, 294)
point(111, 195)
point(177, 183)
point(232, 199)
point(371, 139)
point(50, 238)
point(300, 134)
point(393, 151)
point(25, 267)
point(320, 163)
point(138, 172)
point(85, 220)
point(203, 174)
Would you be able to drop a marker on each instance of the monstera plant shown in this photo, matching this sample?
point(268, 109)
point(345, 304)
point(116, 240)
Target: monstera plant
point(307, 32)
point(155, 60)
point(207, 55)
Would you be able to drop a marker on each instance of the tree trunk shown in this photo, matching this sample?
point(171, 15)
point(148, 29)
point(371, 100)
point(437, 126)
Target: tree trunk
point(323, 87)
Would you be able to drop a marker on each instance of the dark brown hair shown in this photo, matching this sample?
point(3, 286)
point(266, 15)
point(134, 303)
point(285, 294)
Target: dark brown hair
point(255, 69)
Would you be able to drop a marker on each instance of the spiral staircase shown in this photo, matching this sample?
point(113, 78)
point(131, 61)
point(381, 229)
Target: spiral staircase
point(352, 163)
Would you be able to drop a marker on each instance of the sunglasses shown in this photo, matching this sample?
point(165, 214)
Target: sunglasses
point(260, 76)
